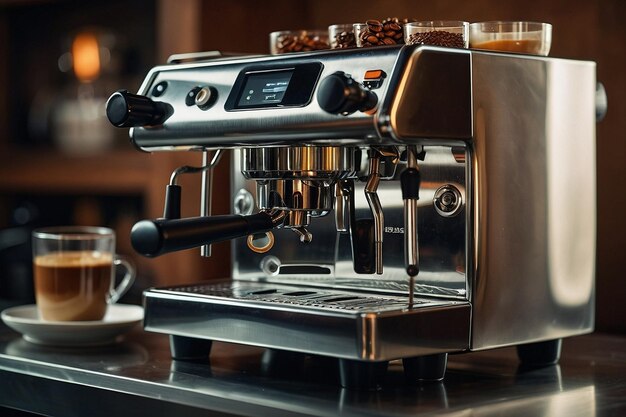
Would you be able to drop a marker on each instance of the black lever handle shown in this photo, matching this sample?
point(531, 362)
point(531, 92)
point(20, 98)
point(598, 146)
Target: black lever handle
point(132, 110)
point(157, 237)
point(341, 94)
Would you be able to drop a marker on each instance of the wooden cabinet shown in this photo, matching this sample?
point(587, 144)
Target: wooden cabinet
point(87, 183)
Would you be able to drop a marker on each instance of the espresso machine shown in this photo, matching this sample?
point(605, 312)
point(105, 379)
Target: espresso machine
point(401, 202)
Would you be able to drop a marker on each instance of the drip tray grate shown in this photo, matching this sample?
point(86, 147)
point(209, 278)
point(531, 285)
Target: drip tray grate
point(296, 296)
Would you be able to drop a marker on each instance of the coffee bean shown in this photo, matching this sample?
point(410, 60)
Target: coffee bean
point(344, 40)
point(438, 38)
point(300, 42)
point(387, 32)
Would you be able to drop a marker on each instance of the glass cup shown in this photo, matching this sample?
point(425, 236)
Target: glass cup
point(518, 37)
point(359, 30)
point(447, 33)
point(341, 36)
point(285, 41)
point(74, 272)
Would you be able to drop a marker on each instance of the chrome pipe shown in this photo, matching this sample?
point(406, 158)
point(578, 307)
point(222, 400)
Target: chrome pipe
point(371, 187)
point(206, 190)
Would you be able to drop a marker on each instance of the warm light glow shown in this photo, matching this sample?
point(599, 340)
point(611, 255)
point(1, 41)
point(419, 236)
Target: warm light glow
point(86, 57)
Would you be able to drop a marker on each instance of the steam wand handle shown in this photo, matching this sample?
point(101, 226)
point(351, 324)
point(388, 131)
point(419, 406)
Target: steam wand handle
point(156, 237)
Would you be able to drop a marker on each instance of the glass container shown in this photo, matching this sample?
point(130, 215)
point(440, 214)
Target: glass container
point(447, 33)
point(518, 37)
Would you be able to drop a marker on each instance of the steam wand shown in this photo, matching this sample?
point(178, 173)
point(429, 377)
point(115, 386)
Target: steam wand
point(207, 191)
point(410, 183)
point(173, 233)
point(173, 190)
point(371, 188)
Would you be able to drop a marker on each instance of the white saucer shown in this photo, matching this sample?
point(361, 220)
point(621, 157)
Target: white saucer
point(119, 319)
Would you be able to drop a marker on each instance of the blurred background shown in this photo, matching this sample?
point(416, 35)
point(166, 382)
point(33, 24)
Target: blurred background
point(61, 162)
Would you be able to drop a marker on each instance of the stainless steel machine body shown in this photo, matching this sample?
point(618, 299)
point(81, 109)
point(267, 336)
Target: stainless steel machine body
point(505, 221)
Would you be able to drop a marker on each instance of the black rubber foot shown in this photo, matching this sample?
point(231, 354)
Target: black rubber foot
point(189, 348)
point(539, 354)
point(362, 375)
point(282, 363)
point(425, 368)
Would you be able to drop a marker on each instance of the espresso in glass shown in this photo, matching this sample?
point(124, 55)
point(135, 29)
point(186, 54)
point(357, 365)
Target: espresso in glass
point(74, 273)
point(73, 285)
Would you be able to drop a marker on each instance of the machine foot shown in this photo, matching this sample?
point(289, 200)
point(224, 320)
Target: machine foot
point(362, 375)
point(282, 363)
point(533, 355)
point(425, 368)
point(189, 348)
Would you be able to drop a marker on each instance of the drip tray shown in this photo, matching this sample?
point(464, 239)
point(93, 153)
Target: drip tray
point(345, 324)
point(297, 297)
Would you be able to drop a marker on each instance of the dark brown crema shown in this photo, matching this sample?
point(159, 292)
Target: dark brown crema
point(72, 286)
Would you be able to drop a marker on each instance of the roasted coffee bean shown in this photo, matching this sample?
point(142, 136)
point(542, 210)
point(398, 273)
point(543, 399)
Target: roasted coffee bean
point(387, 32)
point(438, 38)
point(374, 25)
point(300, 42)
point(344, 40)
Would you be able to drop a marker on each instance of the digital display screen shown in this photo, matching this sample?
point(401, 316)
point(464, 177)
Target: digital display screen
point(264, 88)
point(271, 86)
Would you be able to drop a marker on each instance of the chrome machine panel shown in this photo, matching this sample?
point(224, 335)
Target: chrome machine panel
point(504, 145)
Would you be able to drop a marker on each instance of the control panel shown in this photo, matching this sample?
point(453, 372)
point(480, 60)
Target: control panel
point(278, 99)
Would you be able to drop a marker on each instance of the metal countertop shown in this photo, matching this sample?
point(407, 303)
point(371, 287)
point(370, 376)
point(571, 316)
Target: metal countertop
point(137, 377)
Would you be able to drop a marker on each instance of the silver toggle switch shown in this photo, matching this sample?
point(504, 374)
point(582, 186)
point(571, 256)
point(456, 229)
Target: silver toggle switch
point(448, 200)
point(243, 202)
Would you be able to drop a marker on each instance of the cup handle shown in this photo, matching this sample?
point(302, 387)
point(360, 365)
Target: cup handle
point(127, 281)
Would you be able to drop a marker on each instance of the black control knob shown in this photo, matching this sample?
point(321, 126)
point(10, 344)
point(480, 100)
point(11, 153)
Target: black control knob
point(341, 94)
point(131, 110)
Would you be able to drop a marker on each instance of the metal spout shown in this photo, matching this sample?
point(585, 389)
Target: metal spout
point(371, 187)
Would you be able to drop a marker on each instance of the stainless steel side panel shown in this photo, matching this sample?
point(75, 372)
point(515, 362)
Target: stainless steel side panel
point(432, 97)
point(533, 184)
